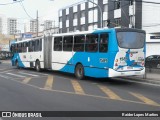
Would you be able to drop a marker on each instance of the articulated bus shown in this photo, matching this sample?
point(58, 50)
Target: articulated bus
point(99, 53)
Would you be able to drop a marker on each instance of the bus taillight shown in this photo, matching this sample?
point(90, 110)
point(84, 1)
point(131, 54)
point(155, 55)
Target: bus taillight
point(116, 64)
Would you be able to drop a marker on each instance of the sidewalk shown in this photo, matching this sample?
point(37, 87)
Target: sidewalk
point(5, 61)
point(152, 76)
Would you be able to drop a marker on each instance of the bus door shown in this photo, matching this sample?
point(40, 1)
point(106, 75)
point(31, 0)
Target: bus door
point(47, 52)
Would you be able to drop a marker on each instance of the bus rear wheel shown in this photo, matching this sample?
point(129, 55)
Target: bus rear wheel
point(79, 71)
point(37, 66)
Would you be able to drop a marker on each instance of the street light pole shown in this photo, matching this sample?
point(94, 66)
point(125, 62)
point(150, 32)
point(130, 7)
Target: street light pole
point(100, 12)
point(37, 24)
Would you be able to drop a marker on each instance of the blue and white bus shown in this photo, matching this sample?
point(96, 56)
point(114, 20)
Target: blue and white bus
point(99, 53)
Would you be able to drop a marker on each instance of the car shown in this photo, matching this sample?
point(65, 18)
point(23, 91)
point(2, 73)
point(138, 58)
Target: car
point(152, 61)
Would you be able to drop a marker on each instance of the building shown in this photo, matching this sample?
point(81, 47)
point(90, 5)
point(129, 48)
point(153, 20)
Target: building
point(3, 24)
point(48, 24)
point(33, 26)
point(151, 23)
point(86, 15)
point(139, 14)
point(12, 26)
point(0, 25)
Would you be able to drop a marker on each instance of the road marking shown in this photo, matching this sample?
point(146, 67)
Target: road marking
point(29, 74)
point(94, 96)
point(6, 77)
point(6, 71)
point(15, 75)
point(77, 87)
point(40, 73)
point(144, 99)
point(88, 95)
point(26, 80)
point(3, 69)
point(49, 83)
point(109, 93)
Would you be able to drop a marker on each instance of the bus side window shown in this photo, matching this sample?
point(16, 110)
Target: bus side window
point(33, 46)
point(79, 43)
point(37, 45)
point(67, 43)
point(103, 45)
point(30, 47)
point(91, 43)
point(19, 47)
point(12, 48)
point(25, 45)
point(16, 48)
point(58, 44)
point(40, 48)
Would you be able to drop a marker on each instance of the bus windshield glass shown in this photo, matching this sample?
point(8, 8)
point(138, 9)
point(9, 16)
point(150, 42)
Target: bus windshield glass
point(131, 40)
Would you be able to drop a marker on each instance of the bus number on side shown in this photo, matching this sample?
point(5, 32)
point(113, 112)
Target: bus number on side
point(103, 60)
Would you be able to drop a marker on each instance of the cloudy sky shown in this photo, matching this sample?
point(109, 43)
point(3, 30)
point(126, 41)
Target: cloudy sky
point(47, 9)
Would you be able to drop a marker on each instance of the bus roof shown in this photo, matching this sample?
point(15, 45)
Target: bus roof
point(98, 30)
point(84, 32)
point(26, 40)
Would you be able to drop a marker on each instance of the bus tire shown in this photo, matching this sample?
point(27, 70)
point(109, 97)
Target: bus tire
point(79, 71)
point(37, 66)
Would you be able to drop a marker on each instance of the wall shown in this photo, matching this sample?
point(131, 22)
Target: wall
point(151, 17)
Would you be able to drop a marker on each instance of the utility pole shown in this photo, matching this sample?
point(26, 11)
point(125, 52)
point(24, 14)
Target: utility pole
point(134, 17)
point(37, 23)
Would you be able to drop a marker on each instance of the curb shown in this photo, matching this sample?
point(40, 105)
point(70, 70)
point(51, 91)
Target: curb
point(138, 79)
point(5, 61)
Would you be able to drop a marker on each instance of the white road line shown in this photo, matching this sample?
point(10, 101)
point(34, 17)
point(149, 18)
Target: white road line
point(3, 69)
point(6, 71)
point(40, 73)
point(6, 77)
point(16, 75)
point(28, 74)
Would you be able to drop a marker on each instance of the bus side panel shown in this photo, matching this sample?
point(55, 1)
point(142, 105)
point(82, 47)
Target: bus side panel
point(17, 58)
point(91, 63)
point(62, 61)
point(23, 59)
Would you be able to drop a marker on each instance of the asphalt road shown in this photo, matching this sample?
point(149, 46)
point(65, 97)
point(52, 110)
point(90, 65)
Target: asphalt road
point(28, 90)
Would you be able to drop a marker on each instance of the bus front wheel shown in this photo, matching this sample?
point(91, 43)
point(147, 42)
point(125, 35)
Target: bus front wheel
point(37, 66)
point(79, 71)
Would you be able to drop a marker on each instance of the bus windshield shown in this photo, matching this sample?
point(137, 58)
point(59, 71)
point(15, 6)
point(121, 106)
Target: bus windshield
point(131, 40)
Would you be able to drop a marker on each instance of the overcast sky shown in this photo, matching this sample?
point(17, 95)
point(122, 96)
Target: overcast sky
point(47, 9)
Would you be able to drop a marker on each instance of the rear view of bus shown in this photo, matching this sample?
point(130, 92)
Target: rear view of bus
point(129, 60)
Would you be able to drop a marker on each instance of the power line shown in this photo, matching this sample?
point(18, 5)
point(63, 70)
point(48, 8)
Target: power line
point(10, 3)
point(21, 3)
